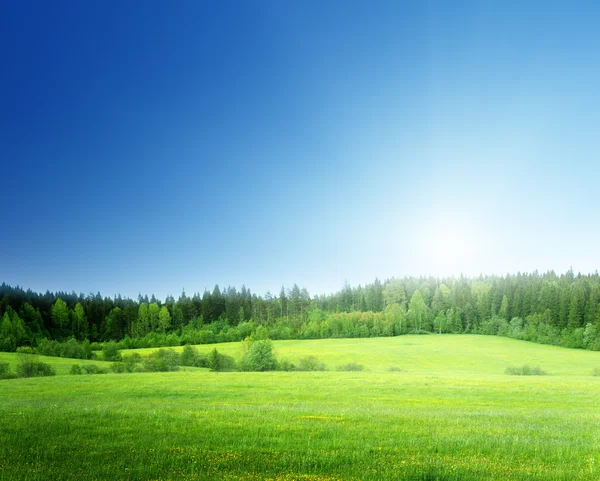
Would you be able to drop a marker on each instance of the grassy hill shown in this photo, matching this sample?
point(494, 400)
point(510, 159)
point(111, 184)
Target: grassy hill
point(455, 354)
point(451, 414)
point(62, 365)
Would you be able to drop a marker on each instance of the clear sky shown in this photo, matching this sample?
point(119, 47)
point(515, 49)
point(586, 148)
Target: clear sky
point(146, 146)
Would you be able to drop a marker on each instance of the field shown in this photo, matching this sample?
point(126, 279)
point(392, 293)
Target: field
point(450, 413)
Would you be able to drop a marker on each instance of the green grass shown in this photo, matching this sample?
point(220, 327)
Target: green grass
point(62, 365)
point(454, 354)
point(450, 415)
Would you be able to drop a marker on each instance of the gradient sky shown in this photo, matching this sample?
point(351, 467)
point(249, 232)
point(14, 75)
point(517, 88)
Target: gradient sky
point(148, 147)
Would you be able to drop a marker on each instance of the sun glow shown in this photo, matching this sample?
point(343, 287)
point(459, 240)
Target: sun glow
point(451, 247)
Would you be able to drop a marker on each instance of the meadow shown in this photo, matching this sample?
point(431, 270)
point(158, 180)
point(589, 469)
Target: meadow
point(446, 411)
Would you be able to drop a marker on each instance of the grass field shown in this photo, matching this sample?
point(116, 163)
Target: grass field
point(455, 354)
point(451, 414)
point(60, 364)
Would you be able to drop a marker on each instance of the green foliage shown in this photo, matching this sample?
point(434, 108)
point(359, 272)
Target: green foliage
point(191, 357)
point(495, 326)
point(260, 334)
point(111, 351)
point(418, 312)
point(525, 370)
point(28, 366)
point(131, 363)
point(394, 369)
point(515, 329)
point(70, 348)
point(311, 363)
point(543, 308)
point(80, 322)
point(60, 314)
point(76, 370)
point(25, 350)
point(220, 362)
point(162, 360)
point(590, 337)
point(285, 365)
point(596, 371)
point(259, 357)
point(5, 371)
point(92, 369)
point(164, 320)
point(572, 339)
point(350, 366)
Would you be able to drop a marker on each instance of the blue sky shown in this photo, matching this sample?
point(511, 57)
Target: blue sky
point(148, 147)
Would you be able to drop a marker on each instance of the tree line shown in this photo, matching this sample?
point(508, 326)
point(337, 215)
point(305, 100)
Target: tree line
point(556, 309)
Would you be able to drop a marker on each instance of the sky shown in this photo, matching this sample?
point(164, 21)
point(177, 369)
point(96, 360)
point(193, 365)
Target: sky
point(147, 147)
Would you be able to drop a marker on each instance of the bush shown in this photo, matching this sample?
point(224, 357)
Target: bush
point(394, 369)
point(311, 363)
point(596, 371)
point(206, 337)
point(351, 366)
point(260, 334)
point(191, 357)
point(163, 360)
point(76, 369)
point(220, 362)
point(285, 365)
point(118, 368)
point(28, 367)
point(131, 363)
point(515, 328)
point(70, 348)
point(24, 350)
point(111, 351)
point(259, 357)
point(5, 371)
point(525, 370)
point(93, 369)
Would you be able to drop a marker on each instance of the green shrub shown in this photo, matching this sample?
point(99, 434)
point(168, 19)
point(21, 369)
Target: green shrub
point(220, 362)
point(351, 366)
point(25, 350)
point(119, 367)
point(93, 369)
point(259, 357)
point(111, 351)
point(75, 369)
point(285, 365)
point(596, 371)
point(206, 336)
point(394, 369)
point(5, 371)
point(131, 363)
point(260, 334)
point(525, 370)
point(31, 368)
point(311, 363)
point(70, 348)
point(191, 357)
point(163, 360)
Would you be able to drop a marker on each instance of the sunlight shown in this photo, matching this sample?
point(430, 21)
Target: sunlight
point(451, 246)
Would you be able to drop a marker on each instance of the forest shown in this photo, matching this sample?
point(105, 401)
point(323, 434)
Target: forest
point(544, 308)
